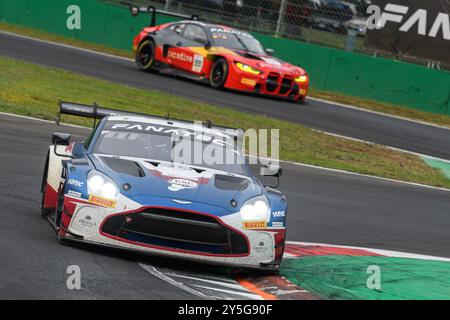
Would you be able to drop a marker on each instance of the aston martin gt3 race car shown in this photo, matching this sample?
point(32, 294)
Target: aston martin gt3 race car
point(134, 184)
point(223, 56)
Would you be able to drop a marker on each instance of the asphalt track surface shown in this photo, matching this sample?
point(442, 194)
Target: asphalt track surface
point(324, 207)
point(327, 117)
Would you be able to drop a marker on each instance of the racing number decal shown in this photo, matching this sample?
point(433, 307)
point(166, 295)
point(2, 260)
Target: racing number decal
point(197, 66)
point(185, 59)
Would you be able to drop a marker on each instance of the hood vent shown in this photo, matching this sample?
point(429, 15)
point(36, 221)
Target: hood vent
point(124, 166)
point(230, 183)
point(248, 55)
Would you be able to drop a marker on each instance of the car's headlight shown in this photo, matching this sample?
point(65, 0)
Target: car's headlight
point(301, 79)
point(102, 186)
point(247, 68)
point(256, 209)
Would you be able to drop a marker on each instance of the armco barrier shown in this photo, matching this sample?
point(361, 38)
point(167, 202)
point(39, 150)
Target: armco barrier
point(330, 69)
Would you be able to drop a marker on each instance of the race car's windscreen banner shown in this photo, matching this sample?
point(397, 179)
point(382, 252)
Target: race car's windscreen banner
point(414, 28)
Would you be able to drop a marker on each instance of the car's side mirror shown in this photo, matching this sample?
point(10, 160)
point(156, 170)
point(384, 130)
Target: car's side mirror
point(270, 52)
point(61, 139)
point(273, 171)
point(208, 45)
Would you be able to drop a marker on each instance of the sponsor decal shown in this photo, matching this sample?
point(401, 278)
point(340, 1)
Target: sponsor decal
point(88, 221)
point(278, 224)
point(197, 66)
point(261, 247)
point(102, 202)
point(178, 184)
point(249, 82)
point(216, 137)
point(303, 91)
point(180, 56)
point(229, 31)
point(74, 194)
point(255, 224)
point(279, 214)
point(76, 183)
point(417, 21)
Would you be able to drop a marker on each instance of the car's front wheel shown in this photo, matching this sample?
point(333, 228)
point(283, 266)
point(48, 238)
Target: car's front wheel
point(45, 212)
point(59, 209)
point(145, 56)
point(219, 74)
point(301, 100)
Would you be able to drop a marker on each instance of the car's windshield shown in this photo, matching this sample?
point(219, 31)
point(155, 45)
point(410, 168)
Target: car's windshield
point(166, 144)
point(236, 40)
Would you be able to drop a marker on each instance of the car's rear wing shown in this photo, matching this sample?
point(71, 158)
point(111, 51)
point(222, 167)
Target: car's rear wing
point(135, 10)
point(97, 113)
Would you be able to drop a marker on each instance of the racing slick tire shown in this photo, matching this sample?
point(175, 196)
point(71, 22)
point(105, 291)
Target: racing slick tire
point(219, 74)
point(45, 212)
point(301, 101)
point(145, 56)
point(59, 210)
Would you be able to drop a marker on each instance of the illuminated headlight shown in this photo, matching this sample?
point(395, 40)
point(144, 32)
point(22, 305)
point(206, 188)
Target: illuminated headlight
point(256, 209)
point(102, 186)
point(247, 68)
point(301, 79)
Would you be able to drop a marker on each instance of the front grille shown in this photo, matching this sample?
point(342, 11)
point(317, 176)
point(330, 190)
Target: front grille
point(286, 85)
point(272, 82)
point(176, 230)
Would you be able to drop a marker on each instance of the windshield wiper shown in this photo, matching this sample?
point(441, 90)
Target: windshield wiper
point(241, 42)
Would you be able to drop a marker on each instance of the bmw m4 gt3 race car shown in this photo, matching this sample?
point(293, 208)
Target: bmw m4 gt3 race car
point(224, 57)
point(125, 187)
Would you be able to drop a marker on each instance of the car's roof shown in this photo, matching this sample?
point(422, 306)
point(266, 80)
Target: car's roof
point(208, 25)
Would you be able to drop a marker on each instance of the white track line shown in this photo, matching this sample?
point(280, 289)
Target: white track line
point(67, 46)
point(342, 105)
point(360, 174)
point(248, 295)
point(387, 253)
point(158, 274)
point(388, 147)
point(349, 106)
point(209, 277)
point(343, 172)
point(242, 291)
point(220, 283)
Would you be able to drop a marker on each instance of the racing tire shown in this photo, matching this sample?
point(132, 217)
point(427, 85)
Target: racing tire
point(145, 56)
point(59, 208)
point(45, 212)
point(219, 74)
point(301, 101)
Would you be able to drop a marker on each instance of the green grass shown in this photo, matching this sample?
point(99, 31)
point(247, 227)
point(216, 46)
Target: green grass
point(391, 109)
point(33, 90)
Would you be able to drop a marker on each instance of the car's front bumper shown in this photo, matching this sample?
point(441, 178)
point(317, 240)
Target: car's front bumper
point(272, 83)
point(248, 248)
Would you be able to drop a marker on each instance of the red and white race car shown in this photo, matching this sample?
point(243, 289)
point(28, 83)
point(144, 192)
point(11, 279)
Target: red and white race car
point(223, 56)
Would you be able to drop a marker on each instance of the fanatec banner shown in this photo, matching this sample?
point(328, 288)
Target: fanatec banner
point(414, 28)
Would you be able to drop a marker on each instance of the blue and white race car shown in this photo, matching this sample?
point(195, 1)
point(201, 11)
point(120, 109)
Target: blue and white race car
point(134, 184)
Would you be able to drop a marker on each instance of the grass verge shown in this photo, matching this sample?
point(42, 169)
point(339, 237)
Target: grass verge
point(386, 108)
point(33, 90)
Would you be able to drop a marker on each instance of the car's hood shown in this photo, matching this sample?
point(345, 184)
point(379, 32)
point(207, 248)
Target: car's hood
point(179, 183)
point(266, 62)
